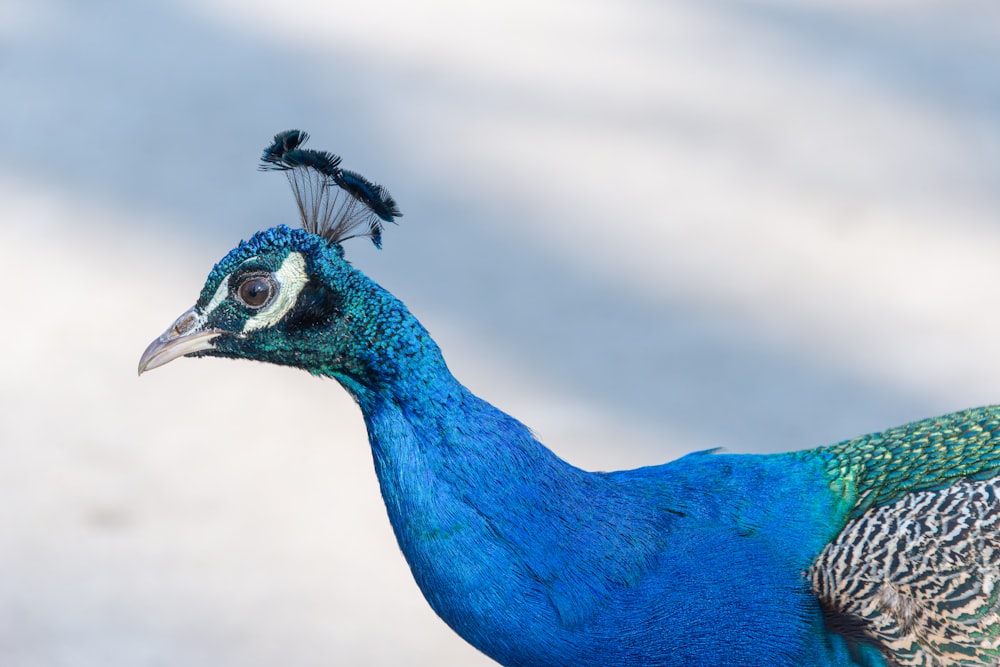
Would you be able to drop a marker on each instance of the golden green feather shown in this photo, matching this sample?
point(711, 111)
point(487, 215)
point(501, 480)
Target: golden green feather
point(883, 467)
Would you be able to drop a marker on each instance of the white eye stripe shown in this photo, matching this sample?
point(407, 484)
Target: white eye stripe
point(291, 278)
point(220, 295)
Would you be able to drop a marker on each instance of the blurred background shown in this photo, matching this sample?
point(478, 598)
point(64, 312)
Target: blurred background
point(641, 227)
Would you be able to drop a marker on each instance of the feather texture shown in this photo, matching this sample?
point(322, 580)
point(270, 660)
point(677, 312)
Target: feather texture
point(881, 551)
point(918, 577)
point(333, 203)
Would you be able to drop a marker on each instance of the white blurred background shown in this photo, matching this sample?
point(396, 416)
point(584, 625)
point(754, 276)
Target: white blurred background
point(641, 227)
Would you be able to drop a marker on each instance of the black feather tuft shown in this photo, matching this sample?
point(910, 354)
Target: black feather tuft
point(372, 195)
point(284, 142)
point(318, 184)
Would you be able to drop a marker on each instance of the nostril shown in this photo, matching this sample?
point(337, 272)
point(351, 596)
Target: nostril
point(185, 323)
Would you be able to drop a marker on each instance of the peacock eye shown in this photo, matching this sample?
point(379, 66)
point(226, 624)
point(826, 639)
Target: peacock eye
point(256, 290)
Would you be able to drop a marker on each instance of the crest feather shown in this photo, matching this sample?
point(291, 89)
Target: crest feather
point(334, 203)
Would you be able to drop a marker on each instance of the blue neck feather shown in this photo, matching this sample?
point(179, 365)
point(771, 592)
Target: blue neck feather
point(537, 562)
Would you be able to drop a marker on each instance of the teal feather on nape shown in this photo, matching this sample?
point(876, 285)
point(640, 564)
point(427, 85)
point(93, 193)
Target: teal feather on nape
point(334, 203)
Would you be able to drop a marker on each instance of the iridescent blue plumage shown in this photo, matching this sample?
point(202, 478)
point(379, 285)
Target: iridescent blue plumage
point(877, 552)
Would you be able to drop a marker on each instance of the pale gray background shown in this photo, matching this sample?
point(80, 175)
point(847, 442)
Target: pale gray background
point(642, 227)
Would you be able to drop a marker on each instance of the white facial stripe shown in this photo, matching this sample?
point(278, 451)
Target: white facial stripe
point(220, 295)
point(291, 278)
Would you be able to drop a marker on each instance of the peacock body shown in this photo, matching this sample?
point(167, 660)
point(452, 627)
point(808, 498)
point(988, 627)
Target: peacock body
point(879, 551)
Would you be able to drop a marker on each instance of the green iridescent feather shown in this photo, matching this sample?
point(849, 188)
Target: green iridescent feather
point(880, 468)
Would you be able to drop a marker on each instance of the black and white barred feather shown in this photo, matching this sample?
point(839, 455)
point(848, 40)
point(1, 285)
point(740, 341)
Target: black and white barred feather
point(919, 577)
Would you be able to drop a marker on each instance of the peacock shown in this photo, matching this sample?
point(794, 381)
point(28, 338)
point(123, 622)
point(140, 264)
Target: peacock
point(883, 550)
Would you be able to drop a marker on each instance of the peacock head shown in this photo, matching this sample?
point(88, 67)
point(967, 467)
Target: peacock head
point(288, 296)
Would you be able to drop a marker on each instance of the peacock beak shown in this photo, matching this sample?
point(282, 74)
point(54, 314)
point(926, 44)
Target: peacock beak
point(188, 334)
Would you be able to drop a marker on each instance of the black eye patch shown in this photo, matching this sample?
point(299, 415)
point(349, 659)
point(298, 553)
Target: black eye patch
point(317, 306)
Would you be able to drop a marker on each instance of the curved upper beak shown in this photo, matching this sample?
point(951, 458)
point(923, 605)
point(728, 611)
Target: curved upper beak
point(188, 334)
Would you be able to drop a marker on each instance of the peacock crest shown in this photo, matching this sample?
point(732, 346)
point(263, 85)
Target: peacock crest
point(334, 203)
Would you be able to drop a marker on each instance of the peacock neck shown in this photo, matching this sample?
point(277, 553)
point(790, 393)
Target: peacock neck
point(430, 434)
point(480, 510)
point(464, 487)
point(418, 414)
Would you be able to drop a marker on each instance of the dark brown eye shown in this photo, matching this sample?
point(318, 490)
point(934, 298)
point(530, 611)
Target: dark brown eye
point(255, 291)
